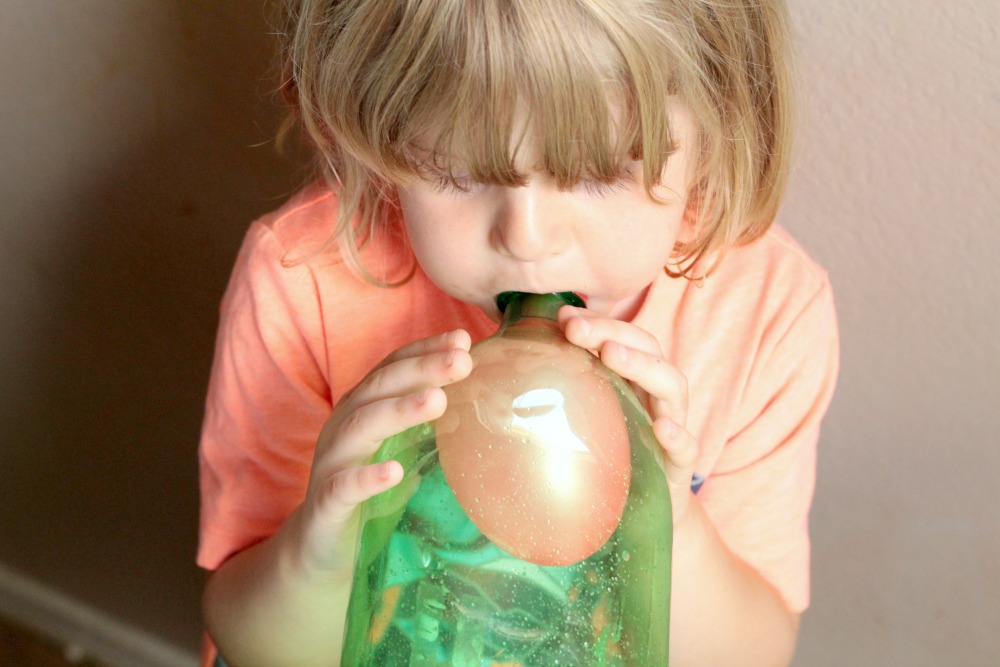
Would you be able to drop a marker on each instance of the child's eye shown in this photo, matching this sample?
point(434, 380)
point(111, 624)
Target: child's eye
point(454, 184)
point(600, 189)
point(603, 190)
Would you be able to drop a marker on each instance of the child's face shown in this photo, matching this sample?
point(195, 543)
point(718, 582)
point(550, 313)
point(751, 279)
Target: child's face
point(605, 242)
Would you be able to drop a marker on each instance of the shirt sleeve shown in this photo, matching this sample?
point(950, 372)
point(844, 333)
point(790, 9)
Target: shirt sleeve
point(761, 489)
point(268, 398)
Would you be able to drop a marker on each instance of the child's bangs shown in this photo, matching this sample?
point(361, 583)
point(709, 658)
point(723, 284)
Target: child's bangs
point(463, 90)
point(581, 100)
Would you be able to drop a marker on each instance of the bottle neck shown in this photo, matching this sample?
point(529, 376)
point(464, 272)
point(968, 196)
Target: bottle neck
point(518, 305)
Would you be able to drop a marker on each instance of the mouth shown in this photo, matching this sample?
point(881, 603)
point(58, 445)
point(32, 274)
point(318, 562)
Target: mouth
point(573, 298)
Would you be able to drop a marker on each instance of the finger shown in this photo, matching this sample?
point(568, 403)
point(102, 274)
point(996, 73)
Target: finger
point(408, 375)
point(635, 354)
point(664, 386)
point(593, 332)
point(351, 441)
point(680, 451)
point(345, 490)
point(441, 343)
point(326, 520)
point(457, 339)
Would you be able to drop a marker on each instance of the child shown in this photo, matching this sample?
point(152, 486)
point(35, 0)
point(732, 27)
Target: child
point(633, 152)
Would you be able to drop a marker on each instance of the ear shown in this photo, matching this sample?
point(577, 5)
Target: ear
point(691, 222)
point(689, 250)
point(686, 233)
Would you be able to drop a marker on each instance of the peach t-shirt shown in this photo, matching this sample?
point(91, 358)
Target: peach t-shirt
point(757, 342)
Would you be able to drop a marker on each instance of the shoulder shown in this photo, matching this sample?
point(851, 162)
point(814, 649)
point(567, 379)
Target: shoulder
point(298, 284)
point(755, 293)
point(773, 300)
point(307, 217)
point(771, 311)
point(765, 315)
point(297, 242)
point(302, 227)
point(775, 268)
point(763, 291)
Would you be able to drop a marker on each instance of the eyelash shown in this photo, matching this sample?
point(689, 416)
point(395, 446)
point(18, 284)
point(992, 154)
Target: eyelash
point(465, 185)
point(457, 184)
point(605, 190)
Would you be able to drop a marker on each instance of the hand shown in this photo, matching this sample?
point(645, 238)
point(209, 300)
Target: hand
point(635, 354)
point(402, 391)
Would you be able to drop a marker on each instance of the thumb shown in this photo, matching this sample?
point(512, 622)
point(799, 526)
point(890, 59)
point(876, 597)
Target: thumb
point(350, 487)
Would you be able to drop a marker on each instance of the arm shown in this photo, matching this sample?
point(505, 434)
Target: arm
point(283, 600)
point(262, 607)
point(723, 612)
point(723, 609)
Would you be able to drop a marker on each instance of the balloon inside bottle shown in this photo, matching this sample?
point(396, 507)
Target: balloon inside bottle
point(534, 446)
point(533, 520)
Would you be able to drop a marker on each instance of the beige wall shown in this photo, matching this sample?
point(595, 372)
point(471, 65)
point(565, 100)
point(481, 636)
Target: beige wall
point(134, 141)
point(134, 137)
point(897, 194)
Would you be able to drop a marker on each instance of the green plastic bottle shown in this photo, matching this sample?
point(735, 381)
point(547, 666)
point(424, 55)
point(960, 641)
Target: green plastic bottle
point(532, 527)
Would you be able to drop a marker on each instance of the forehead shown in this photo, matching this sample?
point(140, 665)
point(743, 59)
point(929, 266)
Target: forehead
point(515, 84)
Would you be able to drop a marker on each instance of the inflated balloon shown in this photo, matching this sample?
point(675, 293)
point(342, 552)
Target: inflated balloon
point(537, 430)
point(533, 523)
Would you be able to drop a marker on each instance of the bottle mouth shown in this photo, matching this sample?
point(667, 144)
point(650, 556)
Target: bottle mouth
point(571, 298)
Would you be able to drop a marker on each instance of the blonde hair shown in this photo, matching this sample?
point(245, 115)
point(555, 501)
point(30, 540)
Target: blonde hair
point(370, 79)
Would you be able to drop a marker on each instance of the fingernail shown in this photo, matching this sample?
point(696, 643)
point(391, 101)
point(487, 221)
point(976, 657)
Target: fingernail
point(457, 338)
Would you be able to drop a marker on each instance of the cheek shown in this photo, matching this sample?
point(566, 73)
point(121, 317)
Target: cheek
point(426, 242)
point(443, 241)
point(423, 223)
point(639, 239)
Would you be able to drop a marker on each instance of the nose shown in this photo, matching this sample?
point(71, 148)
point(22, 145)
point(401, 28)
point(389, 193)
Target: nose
point(531, 223)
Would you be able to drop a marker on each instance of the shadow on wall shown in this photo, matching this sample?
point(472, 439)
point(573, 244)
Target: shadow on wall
point(120, 254)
